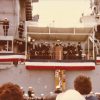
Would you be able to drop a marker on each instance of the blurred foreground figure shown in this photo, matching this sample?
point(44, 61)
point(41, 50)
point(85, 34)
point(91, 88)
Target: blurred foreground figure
point(10, 91)
point(70, 95)
point(83, 85)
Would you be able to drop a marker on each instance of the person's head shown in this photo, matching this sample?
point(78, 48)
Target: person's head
point(58, 89)
point(25, 96)
point(6, 19)
point(30, 88)
point(21, 23)
point(22, 89)
point(68, 43)
point(10, 91)
point(79, 42)
point(83, 84)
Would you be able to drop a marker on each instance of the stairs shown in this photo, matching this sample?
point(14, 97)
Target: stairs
point(28, 8)
point(96, 43)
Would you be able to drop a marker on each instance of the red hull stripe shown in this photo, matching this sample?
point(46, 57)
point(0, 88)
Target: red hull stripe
point(97, 61)
point(62, 67)
point(11, 60)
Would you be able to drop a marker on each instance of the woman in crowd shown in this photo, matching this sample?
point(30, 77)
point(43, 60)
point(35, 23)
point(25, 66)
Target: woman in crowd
point(10, 91)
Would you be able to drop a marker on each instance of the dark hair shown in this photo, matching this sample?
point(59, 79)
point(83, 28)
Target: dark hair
point(10, 91)
point(83, 84)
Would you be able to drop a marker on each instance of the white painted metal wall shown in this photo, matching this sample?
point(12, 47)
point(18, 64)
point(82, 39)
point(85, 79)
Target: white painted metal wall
point(43, 81)
point(10, 9)
point(94, 75)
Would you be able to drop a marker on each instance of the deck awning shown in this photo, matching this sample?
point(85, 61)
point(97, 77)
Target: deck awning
point(50, 33)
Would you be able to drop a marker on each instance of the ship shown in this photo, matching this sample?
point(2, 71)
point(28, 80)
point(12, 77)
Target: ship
point(40, 57)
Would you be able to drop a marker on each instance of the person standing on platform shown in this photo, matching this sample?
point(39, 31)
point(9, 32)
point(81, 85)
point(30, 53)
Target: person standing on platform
point(5, 26)
point(68, 49)
point(58, 52)
point(21, 29)
point(79, 50)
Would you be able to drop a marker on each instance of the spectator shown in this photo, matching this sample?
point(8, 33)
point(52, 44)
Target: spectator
point(30, 92)
point(70, 95)
point(22, 90)
point(21, 29)
point(10, 91)
point(25, 96)
point(83, 85)
point(51, 96)
point(5, 26)
point(98, 95)
point(58, 90)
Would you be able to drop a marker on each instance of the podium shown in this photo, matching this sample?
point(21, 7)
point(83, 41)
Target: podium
point(58, 52)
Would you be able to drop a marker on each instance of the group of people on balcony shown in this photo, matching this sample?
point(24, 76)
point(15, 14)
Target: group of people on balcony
point(56, 51)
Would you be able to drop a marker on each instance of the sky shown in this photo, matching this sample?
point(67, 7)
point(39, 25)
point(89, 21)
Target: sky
point(61, 13)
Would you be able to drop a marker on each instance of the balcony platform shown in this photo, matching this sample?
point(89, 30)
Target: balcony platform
point(11, 57)
point(9, 38)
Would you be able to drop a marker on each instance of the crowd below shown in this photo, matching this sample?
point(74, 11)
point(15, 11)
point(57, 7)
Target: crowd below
point(82, 91)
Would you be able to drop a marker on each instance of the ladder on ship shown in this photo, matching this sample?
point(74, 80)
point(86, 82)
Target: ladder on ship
point(96, 43)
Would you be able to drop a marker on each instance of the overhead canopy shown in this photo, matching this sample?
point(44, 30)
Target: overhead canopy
point(64, 34)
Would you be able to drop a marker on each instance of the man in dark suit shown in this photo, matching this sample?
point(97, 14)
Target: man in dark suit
point(5, 26)
point(21, 29)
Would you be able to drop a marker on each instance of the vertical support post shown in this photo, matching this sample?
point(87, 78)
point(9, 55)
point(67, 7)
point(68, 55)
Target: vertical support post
point(93, 35)
point(12, 45)
point(7, 45)
point(88, 47)
point(49, 29)
point(26, 40)
point(74, 30)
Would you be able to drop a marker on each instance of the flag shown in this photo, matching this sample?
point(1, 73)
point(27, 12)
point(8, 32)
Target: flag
point(60, 79)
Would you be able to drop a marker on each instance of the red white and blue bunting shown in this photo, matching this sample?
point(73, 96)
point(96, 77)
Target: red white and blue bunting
point(60, 65)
